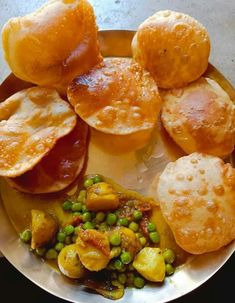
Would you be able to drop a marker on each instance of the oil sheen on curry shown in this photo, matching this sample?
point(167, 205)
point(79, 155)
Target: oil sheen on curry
point(99, 234)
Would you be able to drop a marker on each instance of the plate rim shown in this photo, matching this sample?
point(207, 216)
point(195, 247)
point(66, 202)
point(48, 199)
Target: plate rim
point(30, 257)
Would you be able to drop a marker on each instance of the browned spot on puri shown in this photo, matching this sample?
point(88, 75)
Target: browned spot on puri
point(202, 191)
point(218, 190)
point(202, 115)
point(212, 206)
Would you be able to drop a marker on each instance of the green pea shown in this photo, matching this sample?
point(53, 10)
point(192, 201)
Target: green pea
point(74, 238)
point(77, 214)
point(61, 236)
point(103, 226)
point(169, 269)
point(69, 230)
point(126, 257)
point(77, 230)
point(137, 215)
point(122, 278)
point(88, 225)
point(111, 219)
point(169, 256)
point(116, 284)
point(151, 227)
point(82, 193)
point(59, 246)
point(154, 237)
point(117, 212)
point(134, 226)
point(68, 240)
point(97, 179)
point(51, 254)
point(40, 251)
point(100, 216)
point(123, 221)
point(67, 205)
point(77, 206)
point(118, 265)
point(86, 216)
point(26, 236)
point(138, 235)
point(82, 196)
point(139, 282)
point(87, 183)
point(143, 241)
point(115, 239)
point(115, 252)
point(84, 208)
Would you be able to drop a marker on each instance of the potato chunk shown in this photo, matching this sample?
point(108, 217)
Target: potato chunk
point(129, 242)
point(93, 249)
point(102, 196)
point(44, 228)
point(69, 262)
point(150, 264)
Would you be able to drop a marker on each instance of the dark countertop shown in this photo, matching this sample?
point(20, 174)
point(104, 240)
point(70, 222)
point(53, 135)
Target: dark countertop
point(13, 283)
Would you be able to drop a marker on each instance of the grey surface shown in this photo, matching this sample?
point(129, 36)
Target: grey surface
point(217, 15)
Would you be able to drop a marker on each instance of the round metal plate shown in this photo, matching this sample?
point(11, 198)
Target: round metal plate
point(131, 162)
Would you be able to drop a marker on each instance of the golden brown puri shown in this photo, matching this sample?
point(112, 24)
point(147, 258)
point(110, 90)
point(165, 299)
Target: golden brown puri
point(200, 117)
point(60, 167)
point(173, 47)
point(31, 121)
point(117, 97)
point(54, 44)
point(197, 199)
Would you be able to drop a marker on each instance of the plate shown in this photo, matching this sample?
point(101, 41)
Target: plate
point(132, 162)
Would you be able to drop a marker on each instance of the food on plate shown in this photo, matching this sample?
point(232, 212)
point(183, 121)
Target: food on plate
point(93, 249)
point(52, 45)
point(31, 122)
point(200, 118)
point(112, 248)
point(43, 227)
point(60, 167)
point(150, 263)
point(69, 262)
point(95, 231)
point(173, 47)
point(117, 97)
point(196, 195)
point(101, 196)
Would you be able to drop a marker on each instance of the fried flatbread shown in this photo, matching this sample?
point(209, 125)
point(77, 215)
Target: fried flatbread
point(60, 167)
point(52, 45)
point(200, 117)
point(173, 47)
point(116, 97)
point(31, 121)
point(197, 198)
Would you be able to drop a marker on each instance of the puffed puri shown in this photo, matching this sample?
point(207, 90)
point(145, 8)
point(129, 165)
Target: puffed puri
point(116, 97)
point(60, 167)
point(31, 122)
point(54, 44)
point(197, 198)
point(200, 118)
point(173, 47)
